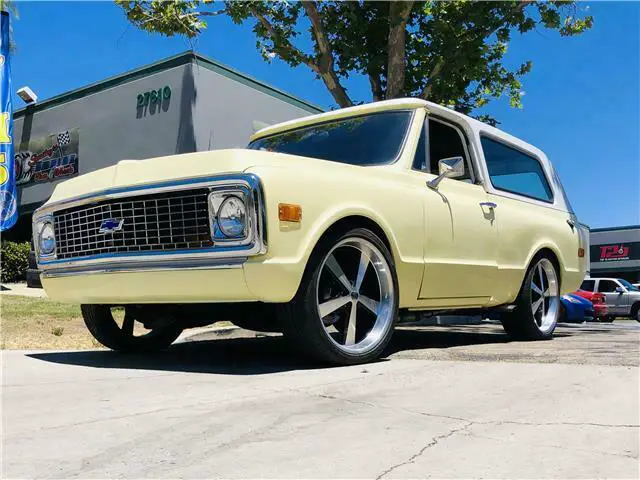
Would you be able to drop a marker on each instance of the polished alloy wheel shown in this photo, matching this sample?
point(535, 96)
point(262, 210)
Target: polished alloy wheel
point(355, 295)
point(544, 295)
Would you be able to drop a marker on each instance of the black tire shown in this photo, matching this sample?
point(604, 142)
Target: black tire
point(607, 319)
point(635, 311)
point(521, 323)
point(300, 319)
point(104, 328)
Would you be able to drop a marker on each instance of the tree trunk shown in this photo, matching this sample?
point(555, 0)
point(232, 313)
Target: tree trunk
point(398, 16)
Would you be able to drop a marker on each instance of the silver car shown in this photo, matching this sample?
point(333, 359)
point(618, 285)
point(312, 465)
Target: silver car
point(622, 298)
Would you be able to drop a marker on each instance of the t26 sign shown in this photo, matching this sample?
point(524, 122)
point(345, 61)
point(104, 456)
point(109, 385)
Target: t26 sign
point(615, 252)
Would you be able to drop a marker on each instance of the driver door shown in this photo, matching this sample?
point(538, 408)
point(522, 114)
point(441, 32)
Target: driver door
point(616, 301)
point(461, 238)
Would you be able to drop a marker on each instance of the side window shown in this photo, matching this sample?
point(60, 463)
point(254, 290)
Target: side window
point(445, 142)
point(607, 286)
point(515, 172)
point(588, 285)
point(420, 160)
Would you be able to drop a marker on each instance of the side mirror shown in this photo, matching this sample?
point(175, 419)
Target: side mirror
point(620, 290)
point(448, 168)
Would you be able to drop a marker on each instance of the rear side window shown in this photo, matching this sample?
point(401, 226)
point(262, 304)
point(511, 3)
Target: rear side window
point(512, 171)
point(588, 285)
point(607, 286)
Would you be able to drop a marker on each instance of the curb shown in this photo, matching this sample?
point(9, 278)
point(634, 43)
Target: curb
point(192, 332)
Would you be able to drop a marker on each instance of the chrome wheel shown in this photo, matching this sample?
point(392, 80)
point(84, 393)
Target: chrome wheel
point(545, 302)
point(355, 296)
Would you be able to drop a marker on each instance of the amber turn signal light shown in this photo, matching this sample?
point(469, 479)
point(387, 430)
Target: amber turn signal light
point(288, 212)
point(580, 252)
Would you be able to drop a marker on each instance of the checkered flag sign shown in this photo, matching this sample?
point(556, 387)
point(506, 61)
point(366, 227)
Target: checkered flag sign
point(64, 138)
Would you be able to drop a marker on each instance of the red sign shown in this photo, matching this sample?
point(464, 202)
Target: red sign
point(614, 252)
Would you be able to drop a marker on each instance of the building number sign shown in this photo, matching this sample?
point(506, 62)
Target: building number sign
point(153, 96)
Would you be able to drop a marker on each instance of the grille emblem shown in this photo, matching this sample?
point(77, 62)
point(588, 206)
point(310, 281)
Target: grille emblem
point(111, 225)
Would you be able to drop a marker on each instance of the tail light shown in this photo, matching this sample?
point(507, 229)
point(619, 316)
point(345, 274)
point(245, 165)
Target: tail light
point(597, 298)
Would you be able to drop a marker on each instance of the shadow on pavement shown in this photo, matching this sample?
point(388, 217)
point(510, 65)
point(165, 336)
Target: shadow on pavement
point(255, 355)
point(251, 355)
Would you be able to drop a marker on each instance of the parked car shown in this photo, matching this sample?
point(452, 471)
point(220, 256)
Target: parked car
point(622, 298)
point(575, 309)
point(601, 311)
point(329, 228)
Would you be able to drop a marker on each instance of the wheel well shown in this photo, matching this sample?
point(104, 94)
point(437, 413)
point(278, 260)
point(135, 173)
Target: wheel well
point(356, 221)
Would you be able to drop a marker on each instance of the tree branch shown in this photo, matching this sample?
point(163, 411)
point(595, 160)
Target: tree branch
point(325, 63)
point(398, 17)
point(376, 87)
point(284, 43)
point(435, 71)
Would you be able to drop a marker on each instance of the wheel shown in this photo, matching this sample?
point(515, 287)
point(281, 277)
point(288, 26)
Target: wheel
point(635, 311)
point(538, 304)
point(607, 319)
point(114, 327)
point(346, 307)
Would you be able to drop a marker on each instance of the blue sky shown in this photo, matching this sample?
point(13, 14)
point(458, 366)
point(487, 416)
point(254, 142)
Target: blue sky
point(581, 106)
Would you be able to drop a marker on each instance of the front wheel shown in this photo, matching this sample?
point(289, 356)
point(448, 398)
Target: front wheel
point(115, 328)
point(347, 304)
point(538, 304)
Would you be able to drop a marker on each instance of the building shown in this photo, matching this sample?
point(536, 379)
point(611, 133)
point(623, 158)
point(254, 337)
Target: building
point(615, 252)
point(182, 104)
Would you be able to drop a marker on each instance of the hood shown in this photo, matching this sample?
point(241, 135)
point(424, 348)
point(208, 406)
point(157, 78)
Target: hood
point(176, 167)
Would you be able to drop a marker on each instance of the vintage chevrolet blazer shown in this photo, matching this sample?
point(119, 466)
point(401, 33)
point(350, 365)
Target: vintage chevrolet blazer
point(328, 228)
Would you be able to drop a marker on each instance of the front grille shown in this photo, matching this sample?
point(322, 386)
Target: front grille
point(157, 222)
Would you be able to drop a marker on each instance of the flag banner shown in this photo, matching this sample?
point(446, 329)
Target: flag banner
point(8, 198)
point(48, 158)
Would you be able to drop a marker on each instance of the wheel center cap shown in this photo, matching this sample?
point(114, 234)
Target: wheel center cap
point(354, 296)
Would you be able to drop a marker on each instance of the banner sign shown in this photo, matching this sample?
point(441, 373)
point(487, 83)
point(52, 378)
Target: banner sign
point(8, 198)
point(615, 252)
point(48, 158)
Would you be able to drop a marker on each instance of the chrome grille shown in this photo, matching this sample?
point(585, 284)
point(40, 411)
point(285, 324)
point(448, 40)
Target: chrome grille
point(157, 222)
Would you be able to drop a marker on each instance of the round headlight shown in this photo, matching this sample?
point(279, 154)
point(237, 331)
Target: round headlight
point(232, 217)
point(47, 239)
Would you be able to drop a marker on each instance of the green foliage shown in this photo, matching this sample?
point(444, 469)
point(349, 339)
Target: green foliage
point(452, 51)
point(14, 261)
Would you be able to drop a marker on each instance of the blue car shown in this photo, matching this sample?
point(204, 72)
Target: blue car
point(575, 309)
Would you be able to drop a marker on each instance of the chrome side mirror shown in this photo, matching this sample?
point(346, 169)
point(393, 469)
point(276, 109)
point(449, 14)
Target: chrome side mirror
point(620, 290)
point(448, 168)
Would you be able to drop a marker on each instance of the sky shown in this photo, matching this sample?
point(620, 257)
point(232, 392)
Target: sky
point(581, 105)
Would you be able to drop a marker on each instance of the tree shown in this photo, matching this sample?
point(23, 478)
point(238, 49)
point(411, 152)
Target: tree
point(448, 52)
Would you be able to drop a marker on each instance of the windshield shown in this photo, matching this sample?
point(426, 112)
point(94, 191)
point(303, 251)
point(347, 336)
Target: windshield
point(374, 139)
point(629, 286)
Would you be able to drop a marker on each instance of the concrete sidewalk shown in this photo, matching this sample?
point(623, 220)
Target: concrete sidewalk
point(22, 290)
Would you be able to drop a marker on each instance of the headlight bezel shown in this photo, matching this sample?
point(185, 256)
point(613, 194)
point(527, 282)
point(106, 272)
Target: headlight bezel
point(39, 225)
point(216, 199)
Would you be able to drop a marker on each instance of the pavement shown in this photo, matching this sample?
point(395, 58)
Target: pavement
point(22, 290)
point(445, 403)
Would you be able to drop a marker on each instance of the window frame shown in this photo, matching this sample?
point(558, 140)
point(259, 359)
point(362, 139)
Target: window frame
point(529, 154)
point(612, 280)
point(401, 150)
point(593, 288)
point(469, 159)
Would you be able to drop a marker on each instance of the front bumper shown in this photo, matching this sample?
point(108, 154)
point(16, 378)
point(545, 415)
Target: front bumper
point(233, 281)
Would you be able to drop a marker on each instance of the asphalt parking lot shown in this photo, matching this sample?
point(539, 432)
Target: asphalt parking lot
point(454, 402)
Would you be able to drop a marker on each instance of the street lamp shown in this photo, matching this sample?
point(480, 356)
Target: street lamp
point(26, 94)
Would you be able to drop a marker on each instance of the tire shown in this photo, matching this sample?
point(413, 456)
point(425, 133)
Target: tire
point(360, 305)
point(526, 324)
point(101, 323)
point(635, 311)
point(607, 319)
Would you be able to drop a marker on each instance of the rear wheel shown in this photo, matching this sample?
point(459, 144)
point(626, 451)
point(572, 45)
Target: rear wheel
point(346, 308)
point(116, 328)
point(538, 304)
point(635, 311)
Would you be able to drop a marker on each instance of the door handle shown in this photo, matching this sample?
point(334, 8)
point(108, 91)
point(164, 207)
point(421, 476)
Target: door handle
point(489, 204)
